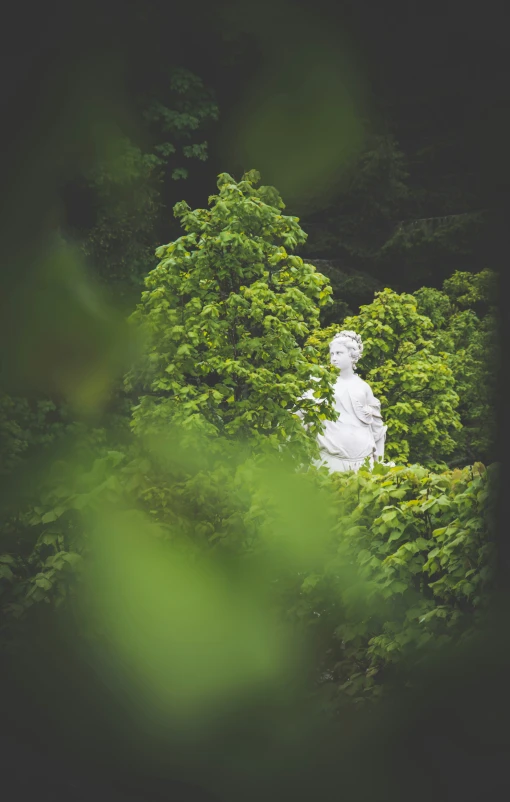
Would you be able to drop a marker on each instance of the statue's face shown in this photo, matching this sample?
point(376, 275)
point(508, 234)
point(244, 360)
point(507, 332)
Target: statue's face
point(340, 356)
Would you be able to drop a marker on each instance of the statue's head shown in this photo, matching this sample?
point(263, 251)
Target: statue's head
point(345, 349)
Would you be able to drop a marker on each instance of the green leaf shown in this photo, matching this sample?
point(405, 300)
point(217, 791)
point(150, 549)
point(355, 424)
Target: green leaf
point(43, 582)
point(6, 573)
point(398, 587)
point(52, 515)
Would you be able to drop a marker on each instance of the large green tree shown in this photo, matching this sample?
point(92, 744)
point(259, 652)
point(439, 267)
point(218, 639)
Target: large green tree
point(227, 313)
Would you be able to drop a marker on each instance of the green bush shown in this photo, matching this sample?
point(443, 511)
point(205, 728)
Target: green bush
point(423, 545)
point(28, 426)
point(465, 317)
point(380, 567)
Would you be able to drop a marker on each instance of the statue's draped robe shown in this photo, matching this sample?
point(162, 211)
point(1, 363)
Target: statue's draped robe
point(359, 431)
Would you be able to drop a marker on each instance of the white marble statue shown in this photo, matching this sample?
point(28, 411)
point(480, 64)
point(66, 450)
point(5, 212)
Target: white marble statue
point(358, 432)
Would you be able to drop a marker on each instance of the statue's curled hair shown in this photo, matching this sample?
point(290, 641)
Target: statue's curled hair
point(352, 342)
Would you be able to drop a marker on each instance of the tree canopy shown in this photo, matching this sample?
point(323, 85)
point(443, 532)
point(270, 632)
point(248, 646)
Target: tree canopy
point(227, 313)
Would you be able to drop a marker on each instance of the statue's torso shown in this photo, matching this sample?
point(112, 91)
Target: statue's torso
point(349, 395)
point(351, 436)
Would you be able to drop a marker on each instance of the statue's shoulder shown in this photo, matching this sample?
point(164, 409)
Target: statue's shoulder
point(358, 390)
point(361, 384)
point(363, 387)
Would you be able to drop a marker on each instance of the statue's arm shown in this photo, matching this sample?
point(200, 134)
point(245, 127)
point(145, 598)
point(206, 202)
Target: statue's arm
point(377, 425)
point(368, 410)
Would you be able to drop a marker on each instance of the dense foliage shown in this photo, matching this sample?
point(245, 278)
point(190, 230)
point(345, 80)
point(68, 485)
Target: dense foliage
point(466, 324)
point(424, 544)
point(226, 314)
point(375, 569)
point(182, 595)
point(421, 544)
